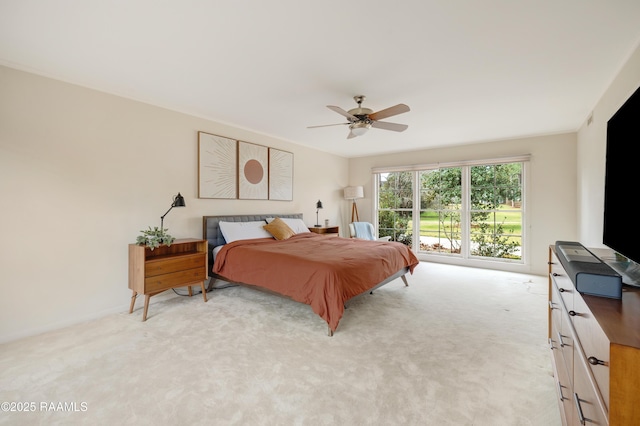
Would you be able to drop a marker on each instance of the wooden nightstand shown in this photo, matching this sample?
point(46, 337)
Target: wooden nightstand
point(331, 231)
point(182, 264)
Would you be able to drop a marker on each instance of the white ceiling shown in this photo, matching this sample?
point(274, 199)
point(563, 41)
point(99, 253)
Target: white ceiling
point(469, 70)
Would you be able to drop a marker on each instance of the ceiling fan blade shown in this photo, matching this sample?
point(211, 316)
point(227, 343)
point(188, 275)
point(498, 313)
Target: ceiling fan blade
point(327, 125)
point(389, 112)
point(389, 126)
point(342, 112)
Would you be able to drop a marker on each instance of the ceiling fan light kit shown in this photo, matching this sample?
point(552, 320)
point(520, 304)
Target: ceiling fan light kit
point(360, 119)
point(360, 128)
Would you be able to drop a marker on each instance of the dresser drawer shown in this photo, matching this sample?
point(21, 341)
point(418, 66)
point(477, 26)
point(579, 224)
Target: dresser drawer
point(562, 282)
point(562, 334)
point(564, 390)
point(556, 306)
point(587, 405)
point(566, 340)
point(595, 346)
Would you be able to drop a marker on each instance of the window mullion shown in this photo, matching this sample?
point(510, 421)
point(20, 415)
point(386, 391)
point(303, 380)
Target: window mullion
point(416, 212)
point(465, 214)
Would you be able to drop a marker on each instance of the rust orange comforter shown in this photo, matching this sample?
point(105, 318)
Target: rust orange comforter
point(323, 272)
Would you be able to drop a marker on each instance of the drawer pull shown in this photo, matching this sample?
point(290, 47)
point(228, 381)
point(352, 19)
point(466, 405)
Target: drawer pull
point(560, 340)
point(555, 274)
point(551, 305)
point(583, 421)
point(595, 361)
point(562, 398)
point(551, 343)
point(574, 314)
point(561, 290)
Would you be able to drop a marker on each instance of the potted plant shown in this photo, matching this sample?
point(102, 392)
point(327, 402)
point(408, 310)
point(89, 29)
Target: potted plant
point(154, 237)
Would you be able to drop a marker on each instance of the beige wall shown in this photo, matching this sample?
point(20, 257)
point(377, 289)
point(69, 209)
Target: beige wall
point(592, 142)
point(550, 196)
point(82, 172)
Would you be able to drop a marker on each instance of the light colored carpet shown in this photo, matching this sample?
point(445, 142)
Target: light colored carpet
point(459, 346)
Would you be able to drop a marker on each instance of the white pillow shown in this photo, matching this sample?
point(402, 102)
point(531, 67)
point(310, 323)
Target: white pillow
point(215, 251)
point(297, 225)
point(233, 231)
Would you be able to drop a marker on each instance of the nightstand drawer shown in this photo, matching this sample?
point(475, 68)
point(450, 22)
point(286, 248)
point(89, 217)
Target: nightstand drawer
point(333, 231)
point(174, 279)
point(172, 264)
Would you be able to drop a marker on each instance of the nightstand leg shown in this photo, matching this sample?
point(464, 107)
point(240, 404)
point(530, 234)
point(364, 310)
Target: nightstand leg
point(133, 301)
point(190, 292)
point(146, 306)
point(204, 292)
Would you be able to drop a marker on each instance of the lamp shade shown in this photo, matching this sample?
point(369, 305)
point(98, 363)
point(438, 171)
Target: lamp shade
point(353, 192)
point(319, 204)
point(178, 201)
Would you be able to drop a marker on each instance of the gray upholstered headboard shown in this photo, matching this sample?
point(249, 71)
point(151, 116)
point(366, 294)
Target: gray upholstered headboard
point(211, 229)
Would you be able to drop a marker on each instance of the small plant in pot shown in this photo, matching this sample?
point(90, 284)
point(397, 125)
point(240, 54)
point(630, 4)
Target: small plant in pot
point(154, 237)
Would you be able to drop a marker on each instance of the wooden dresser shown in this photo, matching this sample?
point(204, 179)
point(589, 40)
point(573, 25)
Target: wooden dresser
point(595, 346)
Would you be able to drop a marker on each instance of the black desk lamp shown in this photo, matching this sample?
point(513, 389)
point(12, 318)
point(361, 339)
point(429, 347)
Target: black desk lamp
point(178, 201)
point(318, 207)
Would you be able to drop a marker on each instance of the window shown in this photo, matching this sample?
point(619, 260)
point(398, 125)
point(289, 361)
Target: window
point(496, 211)
point(395, 206)
point(440, 210)
point(463, 210)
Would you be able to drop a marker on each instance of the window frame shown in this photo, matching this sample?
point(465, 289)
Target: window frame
point(464, 258)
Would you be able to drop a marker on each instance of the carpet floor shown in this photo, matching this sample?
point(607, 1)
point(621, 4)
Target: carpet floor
point(459, 346)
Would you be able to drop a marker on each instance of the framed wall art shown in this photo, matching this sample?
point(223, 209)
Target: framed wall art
point(217, 171)
point(233, 169)
point(280, 175)
point(253, 164)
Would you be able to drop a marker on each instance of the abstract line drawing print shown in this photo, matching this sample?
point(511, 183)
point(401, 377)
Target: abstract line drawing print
point(217, 171)
point(280, 175)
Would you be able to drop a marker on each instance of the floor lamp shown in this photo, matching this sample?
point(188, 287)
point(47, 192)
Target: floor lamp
point(353, 193)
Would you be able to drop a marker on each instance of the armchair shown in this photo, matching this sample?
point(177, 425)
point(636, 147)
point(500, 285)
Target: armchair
point(364, 231)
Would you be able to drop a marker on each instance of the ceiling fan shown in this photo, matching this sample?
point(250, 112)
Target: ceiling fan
point(362, 119)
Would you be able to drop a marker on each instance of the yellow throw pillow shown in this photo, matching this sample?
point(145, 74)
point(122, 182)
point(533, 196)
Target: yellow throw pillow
point(279, 229)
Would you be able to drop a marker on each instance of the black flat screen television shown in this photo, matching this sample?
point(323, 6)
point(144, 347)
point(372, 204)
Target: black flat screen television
point(621, 231)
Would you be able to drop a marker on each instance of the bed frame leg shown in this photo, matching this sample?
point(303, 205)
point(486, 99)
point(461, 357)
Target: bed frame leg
point(212, 280)
point(406, 283)
point(330, 333)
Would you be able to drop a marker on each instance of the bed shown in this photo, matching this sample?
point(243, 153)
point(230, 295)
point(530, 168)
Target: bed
point(322, 272)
